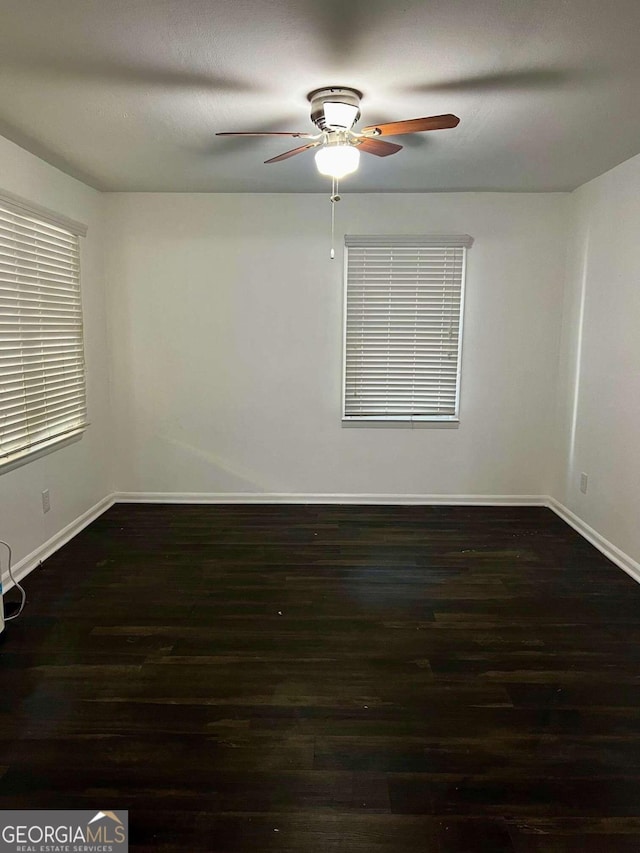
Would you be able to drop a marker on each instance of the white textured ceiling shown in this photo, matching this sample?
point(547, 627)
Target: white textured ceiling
point(128, 94)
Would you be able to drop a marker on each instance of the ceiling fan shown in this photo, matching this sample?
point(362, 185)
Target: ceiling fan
point(334, 111)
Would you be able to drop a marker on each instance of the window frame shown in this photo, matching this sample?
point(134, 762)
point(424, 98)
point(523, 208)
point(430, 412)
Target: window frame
point(42, 216)
point(434, 241)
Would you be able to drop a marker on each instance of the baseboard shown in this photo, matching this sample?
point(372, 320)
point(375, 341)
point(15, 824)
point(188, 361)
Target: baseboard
point(611, 551)
point(624, 561)
point(338, 498)
point(32, 560)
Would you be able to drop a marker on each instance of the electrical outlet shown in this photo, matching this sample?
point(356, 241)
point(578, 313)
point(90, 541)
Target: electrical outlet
point(46, 501)
point(584, 480)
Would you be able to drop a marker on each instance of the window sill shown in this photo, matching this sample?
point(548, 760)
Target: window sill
point(33, 453)
point(400, 423)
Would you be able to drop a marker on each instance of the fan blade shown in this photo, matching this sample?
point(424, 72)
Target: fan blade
point(378, 147)
point(292, 153)
point(414, 125)
point(301, 135)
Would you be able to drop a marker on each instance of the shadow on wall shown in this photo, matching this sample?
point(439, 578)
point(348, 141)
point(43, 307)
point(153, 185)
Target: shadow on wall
point(220, 474)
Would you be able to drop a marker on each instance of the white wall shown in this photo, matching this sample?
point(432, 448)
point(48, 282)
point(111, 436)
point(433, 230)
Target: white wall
point(599, 400)
point(77, 475)
point(226, 343)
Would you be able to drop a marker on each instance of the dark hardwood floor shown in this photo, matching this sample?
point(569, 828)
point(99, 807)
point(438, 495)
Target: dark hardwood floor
point(312, 679)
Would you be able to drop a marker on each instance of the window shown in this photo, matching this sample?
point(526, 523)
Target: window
point(42, 380)
point(403, 327)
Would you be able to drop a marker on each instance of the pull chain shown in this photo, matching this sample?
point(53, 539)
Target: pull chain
point(333, 217)
point(334, 198)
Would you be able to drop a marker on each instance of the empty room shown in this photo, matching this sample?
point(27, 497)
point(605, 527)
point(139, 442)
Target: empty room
point(319, 426)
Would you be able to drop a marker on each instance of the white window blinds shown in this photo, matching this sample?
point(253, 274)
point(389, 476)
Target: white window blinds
point(42, 380)
point(403, 324)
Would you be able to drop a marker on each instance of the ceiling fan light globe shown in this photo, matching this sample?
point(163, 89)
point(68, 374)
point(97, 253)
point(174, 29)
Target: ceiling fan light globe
point(337, 161)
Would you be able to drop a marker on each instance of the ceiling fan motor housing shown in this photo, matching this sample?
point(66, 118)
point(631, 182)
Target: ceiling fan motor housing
point(335, 108)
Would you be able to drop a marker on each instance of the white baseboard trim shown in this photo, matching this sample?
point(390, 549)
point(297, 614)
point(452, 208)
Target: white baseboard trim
point(32, 560)
point(624, 561)
point(338, 498)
